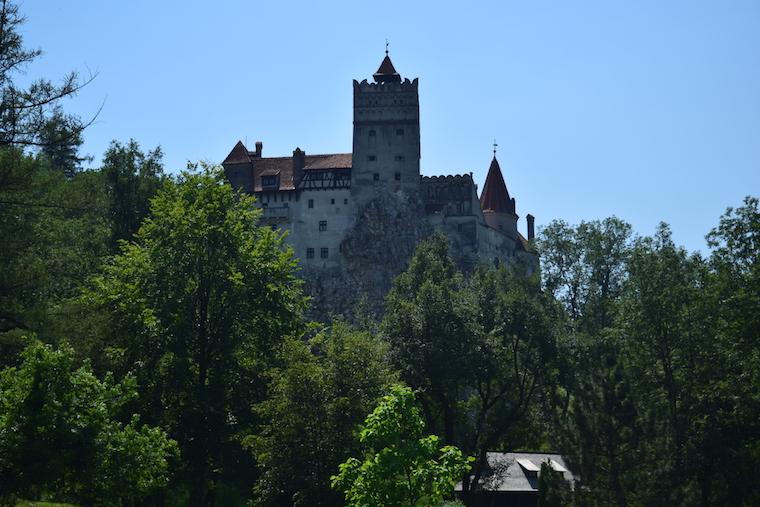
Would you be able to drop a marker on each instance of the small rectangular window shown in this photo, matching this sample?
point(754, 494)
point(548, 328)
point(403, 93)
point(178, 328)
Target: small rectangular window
point(284, 205)
point(399, 158)
point(309, 253)
point(399, 132)
point(323, 252)
point(345, 201)
point(311, 203)
point(322, 225)
point(332, 201)
point(371, 158)
point(397, 176)
point(376, 176)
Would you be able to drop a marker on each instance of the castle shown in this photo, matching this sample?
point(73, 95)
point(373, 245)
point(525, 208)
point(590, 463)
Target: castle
point(354, 219)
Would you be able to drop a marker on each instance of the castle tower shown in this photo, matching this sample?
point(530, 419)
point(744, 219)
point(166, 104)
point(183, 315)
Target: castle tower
point(498, 208)
point(386, 149)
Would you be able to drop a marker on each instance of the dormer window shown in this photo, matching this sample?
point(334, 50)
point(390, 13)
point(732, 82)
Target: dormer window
point(269, 180)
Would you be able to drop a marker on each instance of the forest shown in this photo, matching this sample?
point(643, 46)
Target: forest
point(155, 350)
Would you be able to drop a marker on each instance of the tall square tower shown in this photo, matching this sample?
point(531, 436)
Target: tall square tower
point(386, 147)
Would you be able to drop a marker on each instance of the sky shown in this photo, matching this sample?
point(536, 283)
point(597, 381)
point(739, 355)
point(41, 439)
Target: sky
point(646, 110)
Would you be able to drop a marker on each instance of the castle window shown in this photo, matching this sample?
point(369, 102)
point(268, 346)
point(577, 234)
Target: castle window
point(322, 225)
point(323, 252)
point(372, 138)
point(309, 253)
point(284, 205)
point(399, 132)
point(332, 201)
point(345, 201)
point(311, 203)
point(376, 176)
point(400, 158)
point(372, 133)
point(372, 158)
point(397, 176)
point(269, 181)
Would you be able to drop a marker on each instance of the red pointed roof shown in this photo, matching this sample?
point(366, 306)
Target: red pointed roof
point(238, 155)
point(386, 72)
point(495, 196)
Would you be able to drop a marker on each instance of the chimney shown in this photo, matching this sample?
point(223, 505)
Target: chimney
point(299, 161)
point(531, 226)
point(259, 146)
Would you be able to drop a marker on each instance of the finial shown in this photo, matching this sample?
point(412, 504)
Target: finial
point(386, 47)
point(494, 148)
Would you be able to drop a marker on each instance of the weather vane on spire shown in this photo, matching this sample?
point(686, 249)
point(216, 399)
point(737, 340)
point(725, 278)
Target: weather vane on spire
point(494, 148)
point(386, 47)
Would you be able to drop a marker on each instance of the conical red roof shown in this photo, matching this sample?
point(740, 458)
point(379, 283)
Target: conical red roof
point(495, 196)
point(386, 72)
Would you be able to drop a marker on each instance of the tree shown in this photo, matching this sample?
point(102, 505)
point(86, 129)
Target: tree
point(317, 399)
point(60, 146)
point(25, 112)
point(197, 308)
point(60, 434)
point(401, 467)
point(728, 400)
point(53, 240)
point(131, 178)
point(584, 267)
point(477, 350)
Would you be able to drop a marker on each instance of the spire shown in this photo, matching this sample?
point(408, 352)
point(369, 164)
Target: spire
point(495, 196)
point(386, 73)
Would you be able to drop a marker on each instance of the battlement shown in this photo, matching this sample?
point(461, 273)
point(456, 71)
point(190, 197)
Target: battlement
point(404, 86)
point(451, 194)
point(448, 179)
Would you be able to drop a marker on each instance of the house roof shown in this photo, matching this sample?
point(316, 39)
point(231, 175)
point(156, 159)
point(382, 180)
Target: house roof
point(386, 72)
point(518, 471)
point(495, 196)
point(331, 161)
point(238, 155)
point(283, 166)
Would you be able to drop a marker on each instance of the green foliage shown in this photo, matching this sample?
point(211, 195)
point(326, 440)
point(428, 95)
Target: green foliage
point(317, 398)
point(553, 490)
point(664, 390)
point(131, 179)
point(477, 349)
point(401, 466)
point(60, 144)
point(197, 308)
point(59, 433)
point(53, 239)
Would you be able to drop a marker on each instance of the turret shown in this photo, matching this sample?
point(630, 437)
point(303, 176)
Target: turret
point(498, 208)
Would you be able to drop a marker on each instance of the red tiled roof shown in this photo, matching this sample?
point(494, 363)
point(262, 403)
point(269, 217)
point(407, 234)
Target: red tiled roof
point(495, 196)
point(238, 155)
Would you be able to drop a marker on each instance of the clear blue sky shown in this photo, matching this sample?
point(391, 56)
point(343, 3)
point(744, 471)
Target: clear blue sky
point(646, 110)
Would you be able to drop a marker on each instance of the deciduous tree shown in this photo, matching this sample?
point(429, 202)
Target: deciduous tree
point(197, 308)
